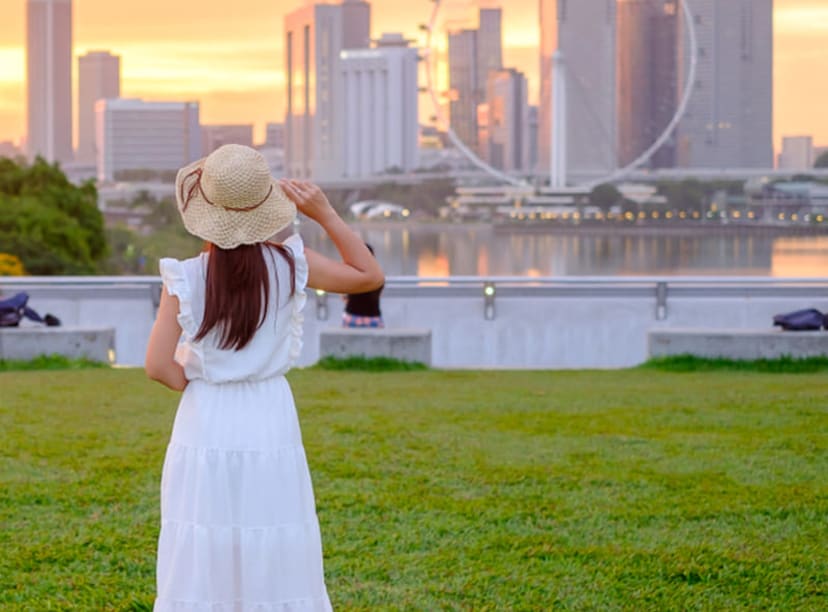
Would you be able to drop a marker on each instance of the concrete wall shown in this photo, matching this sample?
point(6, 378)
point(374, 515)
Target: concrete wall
point(538, 323)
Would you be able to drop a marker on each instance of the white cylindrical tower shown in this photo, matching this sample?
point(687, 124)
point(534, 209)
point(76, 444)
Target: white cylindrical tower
point(557, 157)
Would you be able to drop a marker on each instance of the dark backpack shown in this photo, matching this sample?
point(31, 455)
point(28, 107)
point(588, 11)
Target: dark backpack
point(809, 319)
point(14, 309)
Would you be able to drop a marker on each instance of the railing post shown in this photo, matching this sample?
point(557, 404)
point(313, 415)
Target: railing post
point(155, 295)
point(661, 301)
point(489, 293)
point(321, 305)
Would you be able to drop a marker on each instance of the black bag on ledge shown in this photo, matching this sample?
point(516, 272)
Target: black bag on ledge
point(14, 309)
point(809, 319)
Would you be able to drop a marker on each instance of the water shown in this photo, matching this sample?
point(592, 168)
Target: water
point(429, 250)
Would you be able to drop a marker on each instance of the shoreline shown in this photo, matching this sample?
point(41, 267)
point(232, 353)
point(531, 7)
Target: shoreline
point(600, 229)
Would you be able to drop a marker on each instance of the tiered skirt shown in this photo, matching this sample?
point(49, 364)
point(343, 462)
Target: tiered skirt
point(239, 531)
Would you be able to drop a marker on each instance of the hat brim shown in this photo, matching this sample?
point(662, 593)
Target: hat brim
point(228, 228)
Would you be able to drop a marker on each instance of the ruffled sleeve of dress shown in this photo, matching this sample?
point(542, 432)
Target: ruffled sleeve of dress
point(300, 297)
point(177, 284)
point(189, 354)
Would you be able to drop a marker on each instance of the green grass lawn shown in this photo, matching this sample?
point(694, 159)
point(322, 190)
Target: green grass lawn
point(623, 490)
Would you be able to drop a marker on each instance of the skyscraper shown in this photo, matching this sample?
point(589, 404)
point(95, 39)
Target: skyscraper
point(507, 146)
point(472, 55)
point(99, 78)
point(585, 32)
point(729, 120)
point(138, 135)
point(49, 79)
point(489, 46)
point(314, 37)
point(356, 24)
point(464, 95)
point(379, 108)
point(646, 73)
point(797, 153)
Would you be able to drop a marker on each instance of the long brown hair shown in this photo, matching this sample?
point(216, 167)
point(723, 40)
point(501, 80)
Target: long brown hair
point(238, 292)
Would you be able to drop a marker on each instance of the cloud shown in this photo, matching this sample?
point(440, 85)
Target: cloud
point(12, 65)
point(801, 20)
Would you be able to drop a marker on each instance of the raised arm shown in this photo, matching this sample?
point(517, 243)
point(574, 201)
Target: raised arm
point(359, 270)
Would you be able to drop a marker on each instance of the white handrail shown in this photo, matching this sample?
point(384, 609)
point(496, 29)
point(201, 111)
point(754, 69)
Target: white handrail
point(11, 282)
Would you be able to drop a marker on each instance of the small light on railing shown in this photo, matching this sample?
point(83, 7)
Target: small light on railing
point(321, 305)
point(110, 355)
point(489, 292)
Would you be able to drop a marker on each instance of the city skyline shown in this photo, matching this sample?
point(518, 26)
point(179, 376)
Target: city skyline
point(235, 68)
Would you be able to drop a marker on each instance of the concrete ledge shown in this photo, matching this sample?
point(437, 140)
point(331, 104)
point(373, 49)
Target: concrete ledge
point(402, 344)
point(737, 344)
point(25, 343)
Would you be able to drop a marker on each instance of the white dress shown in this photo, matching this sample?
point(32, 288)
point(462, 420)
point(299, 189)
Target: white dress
point(239, 530)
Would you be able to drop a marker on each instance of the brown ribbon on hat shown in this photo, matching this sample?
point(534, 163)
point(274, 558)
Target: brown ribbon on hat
point(196, 188)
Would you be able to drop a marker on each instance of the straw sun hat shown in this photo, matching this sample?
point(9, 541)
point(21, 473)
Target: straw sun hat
point(229, 198)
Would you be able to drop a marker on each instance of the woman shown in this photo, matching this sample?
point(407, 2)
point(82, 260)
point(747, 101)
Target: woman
point(238, 520)
point(363, 309)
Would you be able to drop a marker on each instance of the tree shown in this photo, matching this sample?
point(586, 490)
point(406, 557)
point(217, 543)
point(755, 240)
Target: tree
point(605, 196)
point(51, 225)
point(689, 194)
point(822, 160)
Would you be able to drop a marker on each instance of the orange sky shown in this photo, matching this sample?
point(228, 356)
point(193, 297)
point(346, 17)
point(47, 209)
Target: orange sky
point(232, 61)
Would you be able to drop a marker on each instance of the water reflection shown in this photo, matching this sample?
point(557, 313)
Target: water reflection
point(478, 250)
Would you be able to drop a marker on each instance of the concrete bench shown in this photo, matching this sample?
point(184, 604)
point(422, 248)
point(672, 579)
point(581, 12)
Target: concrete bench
point(743, 344)
point(25, 343)
point(402, 344)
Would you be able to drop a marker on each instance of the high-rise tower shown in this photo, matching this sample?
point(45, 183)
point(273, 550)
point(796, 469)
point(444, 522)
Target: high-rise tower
point(472, 55)
point(49, 79)
point(647, 77)
point(315, 35)
point(584, 31)
point(99, 78)
point(729, 120)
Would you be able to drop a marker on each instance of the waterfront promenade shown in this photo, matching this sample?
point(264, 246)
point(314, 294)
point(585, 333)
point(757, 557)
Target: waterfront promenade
point(528, 323)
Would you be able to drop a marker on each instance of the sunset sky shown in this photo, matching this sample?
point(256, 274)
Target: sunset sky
point(230, 59)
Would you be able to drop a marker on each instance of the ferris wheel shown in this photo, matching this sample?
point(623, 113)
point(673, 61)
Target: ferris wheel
point(432, 30)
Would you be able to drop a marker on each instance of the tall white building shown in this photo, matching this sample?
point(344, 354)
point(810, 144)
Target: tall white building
point(797, 153)
point(49, 79)
point(99, 78)
point(584, 31)
point(379, 108)
point(729, 120)
point(314, 37)
point(507, 131)
point(137, 135)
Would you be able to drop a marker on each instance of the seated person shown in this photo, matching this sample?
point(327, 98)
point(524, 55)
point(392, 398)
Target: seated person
point(363, 309)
